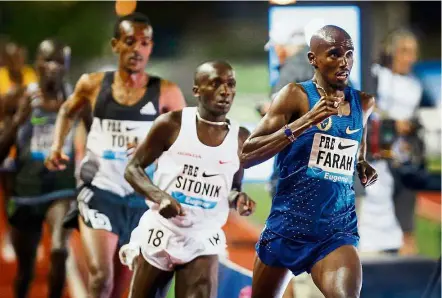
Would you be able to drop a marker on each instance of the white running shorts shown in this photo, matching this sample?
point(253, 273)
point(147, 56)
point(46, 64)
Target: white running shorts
point(164, 249)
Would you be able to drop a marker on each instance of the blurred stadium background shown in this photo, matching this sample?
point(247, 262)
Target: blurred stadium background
point(188, 33)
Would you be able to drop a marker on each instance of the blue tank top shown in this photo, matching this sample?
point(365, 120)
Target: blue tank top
point(314, 196)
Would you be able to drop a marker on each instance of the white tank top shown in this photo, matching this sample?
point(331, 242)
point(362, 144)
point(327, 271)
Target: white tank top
point(198, 176)
point(113, 127)
point(107, 143)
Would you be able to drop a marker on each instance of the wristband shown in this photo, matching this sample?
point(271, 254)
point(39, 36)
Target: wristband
point(289, 133)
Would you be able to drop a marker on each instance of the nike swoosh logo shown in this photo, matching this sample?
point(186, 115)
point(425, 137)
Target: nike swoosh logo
point(223, 162)
point(349, 131)
point(39, 120)
point(209, 175)
point(342, 147)
point(131, 128)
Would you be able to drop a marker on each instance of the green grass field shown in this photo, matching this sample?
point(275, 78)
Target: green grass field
point(434, 164)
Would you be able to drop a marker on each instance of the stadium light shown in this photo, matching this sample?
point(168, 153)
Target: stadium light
point(282, 2)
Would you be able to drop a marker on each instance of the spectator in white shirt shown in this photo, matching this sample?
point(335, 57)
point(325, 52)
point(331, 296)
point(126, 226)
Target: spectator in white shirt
point(387, 211)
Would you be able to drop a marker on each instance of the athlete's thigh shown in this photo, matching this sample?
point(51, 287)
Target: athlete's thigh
point(269, 281)
point(339, 274)
point(7, 183)
point(54, 218)
point(149, 281)
point(26, 224)
point(5, 189)
point(25, 244)
point(100, 247)
point(198, 278)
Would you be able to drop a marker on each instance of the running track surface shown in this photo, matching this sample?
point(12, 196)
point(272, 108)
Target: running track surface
point(241, 237)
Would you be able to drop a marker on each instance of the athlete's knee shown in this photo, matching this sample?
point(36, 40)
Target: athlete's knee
point(259, 292)
point(59, 245)
point(101, 280)
point(342, 292)
point(205, 287)
point(25, 273)
point(59, 254)
point(23, 280)
point(59, 239)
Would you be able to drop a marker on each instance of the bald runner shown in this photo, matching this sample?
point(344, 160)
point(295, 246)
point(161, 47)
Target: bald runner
point(318, 130)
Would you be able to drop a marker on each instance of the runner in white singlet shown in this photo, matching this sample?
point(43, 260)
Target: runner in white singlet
point(198, 179)
point(124, 105)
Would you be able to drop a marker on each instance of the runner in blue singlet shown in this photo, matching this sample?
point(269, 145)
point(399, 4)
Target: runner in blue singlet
point(318, 130)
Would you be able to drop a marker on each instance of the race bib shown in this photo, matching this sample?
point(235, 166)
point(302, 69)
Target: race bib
point(332, 158)
point(158, 238)
point(42, 138)
point(119, 137)
point(41, 141)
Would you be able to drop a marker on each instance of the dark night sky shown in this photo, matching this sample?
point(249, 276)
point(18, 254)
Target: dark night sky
point(171, 18)
point(427, 14)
